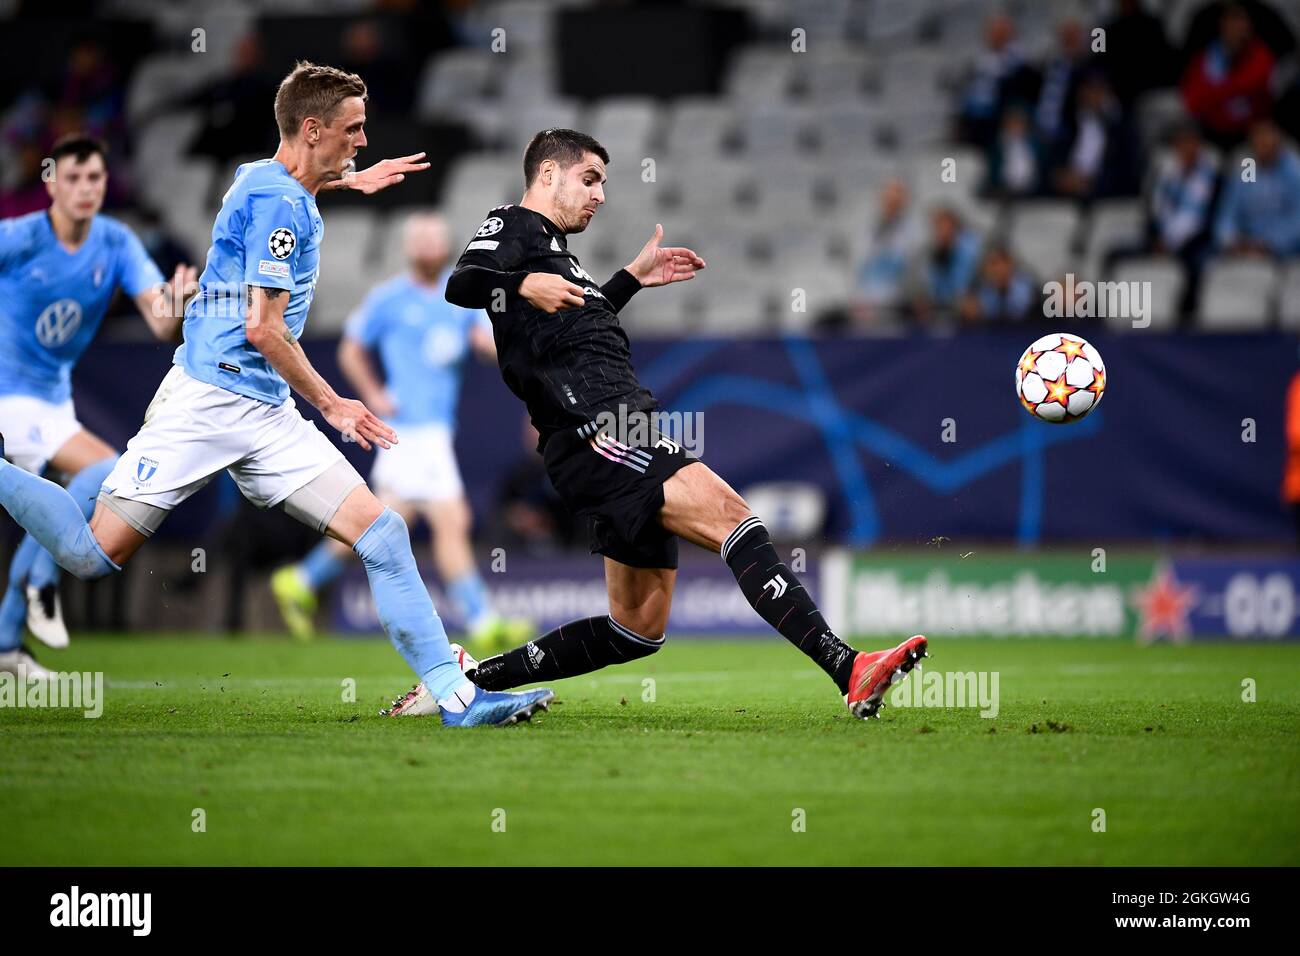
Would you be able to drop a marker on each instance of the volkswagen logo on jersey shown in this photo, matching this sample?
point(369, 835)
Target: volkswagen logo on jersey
point(58, 323)
point(490, 227)
point(281, 243)
point(144, 470)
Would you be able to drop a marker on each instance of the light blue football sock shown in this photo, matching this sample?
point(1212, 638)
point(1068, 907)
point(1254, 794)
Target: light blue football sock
point(403, 604)
point(84, 488)
point(13, 611)
point(321, 566)
point(470, 597)
point(50, 515)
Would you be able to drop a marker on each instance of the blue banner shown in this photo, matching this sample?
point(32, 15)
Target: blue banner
point(1187, 445)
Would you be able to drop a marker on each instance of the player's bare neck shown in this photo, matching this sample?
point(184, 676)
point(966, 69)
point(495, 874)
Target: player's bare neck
point(298, 165)
point(71, 233)
point(543, 208)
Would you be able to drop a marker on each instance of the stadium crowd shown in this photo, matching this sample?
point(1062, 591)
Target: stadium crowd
point(1102, 139)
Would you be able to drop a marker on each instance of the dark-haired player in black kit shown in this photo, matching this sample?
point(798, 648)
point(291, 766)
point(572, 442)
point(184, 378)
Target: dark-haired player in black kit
point(562, 351)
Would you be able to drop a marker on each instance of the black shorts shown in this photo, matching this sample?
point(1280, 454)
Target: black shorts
point(618, 490)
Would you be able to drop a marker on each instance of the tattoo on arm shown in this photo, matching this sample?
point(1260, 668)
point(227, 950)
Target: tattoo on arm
point(272, 293)
point(290, 338)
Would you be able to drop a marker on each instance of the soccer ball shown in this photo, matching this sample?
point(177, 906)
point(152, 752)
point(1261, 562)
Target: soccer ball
point(1060, 378)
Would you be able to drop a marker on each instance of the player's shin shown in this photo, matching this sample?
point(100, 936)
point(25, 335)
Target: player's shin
point(13, 611)
point(578, 647)
point(782, 601)
point(50, 515)
point(402, 602)
point(84, 488)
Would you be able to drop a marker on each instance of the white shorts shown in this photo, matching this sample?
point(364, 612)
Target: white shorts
point(193, 430)
point(420, 467)
point(35, 429)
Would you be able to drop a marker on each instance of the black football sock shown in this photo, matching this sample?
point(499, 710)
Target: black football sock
point(578, 647)
point(782, 601)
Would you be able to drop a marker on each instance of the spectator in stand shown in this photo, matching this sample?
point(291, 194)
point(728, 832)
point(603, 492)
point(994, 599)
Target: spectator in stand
point(1004, 292)
point(1015, 162)
point(237, 121)
point(943, 273)
point(891, 242)
point(1100, 158)
point(1179, 205)
point(1054, 108)
point(1138, 56)
point(1262, 217)
point(373, 55)
point(1226, 85)
point(1269, 25)
point(1000, 75)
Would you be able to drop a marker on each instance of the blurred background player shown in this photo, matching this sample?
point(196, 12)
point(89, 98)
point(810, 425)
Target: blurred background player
point(59, 270)
point(421, 340)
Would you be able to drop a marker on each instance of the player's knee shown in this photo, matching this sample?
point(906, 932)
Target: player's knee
point(386, 542)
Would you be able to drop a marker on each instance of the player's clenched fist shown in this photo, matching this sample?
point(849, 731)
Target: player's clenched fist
point(550, 292)
point(359, 424)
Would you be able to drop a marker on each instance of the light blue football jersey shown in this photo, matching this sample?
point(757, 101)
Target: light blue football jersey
point(422, 340)
point(267, 234)
point(52, 301)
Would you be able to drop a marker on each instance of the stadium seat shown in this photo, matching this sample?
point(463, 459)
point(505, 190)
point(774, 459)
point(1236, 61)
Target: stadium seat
point(913, 73)
point(163, 141)
point(1237, 295)
point(824, 285)
point(894, 20)
point(520, 122)
point(529, 26)
point(625, 126)
point(529, 79)
point(346, 272)
point(791, 510)
point(164, 79)
point(698, 126)
point(846, 131)
point(1167, 280)
point(734, 312)
point(453, 82)
point(927, 166)
point(1289, 298)
point(1043, 234)
point(1113, 223)
point(761, 74)
point(776, 129)
point(831, 76)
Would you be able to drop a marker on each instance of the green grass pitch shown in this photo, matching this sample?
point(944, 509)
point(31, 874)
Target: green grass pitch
point(741, 736)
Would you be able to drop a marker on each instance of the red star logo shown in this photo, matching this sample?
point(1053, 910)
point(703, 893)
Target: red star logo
point(1071, 347)
point(1164, 605)
point(1059, 391)
point(1027, 363)
point(1098, 382)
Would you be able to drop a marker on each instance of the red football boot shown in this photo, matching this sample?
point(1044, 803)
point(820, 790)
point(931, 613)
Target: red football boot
point(875, 673)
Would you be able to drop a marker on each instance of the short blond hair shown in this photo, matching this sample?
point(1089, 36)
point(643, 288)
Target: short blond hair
point(313, 90)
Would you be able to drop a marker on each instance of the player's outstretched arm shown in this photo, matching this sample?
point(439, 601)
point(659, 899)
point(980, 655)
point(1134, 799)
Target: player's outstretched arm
point(385, 173)
point(267, 332)
point(659, 265)
point(359, 370)
point(163, 305)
